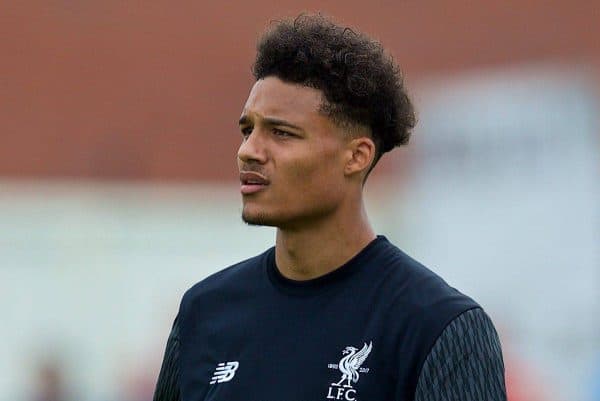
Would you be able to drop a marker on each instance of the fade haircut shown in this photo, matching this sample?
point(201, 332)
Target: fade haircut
point(362, 85)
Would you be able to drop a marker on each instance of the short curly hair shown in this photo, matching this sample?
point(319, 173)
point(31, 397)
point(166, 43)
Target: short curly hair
point(360, 82)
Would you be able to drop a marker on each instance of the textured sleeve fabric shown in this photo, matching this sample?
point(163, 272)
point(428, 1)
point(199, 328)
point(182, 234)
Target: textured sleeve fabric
point(465, 362)
point(167, 386)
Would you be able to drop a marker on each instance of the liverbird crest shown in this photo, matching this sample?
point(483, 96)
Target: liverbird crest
point(351, 362)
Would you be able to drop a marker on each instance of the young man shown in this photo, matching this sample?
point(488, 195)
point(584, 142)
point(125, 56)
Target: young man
point(332, 312)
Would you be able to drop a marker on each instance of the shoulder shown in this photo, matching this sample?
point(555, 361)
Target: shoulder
point(234, 278)
point(422, 303)
point(418, 306)
point(418, 288)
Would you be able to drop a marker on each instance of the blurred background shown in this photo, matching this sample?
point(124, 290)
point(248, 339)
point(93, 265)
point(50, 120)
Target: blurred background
point(118, 189)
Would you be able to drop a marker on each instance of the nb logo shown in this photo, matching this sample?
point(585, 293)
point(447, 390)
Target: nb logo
point(224, 372)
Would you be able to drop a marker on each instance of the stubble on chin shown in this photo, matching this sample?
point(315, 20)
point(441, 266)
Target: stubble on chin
point(258, 219)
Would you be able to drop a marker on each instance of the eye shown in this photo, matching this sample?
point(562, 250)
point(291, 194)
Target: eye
point(282, 133)
point(246, 131)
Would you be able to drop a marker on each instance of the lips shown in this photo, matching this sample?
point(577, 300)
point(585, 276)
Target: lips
point(252, 182)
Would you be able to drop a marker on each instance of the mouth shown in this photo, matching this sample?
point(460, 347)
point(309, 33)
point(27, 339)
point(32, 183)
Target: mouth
point(252, 182)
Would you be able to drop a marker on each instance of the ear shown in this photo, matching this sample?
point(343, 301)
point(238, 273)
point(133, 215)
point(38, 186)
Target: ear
point(361, 152)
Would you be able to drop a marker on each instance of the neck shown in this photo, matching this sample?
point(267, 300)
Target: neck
point(309, 252)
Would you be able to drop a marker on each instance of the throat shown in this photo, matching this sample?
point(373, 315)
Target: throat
point(301, 257)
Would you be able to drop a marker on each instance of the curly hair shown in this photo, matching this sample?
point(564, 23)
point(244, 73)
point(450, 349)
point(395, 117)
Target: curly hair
point(362, 85)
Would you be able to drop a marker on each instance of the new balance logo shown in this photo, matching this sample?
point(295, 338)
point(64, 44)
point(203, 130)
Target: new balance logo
point(224, 372)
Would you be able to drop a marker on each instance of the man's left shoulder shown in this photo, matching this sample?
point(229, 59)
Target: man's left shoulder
point(421, 291)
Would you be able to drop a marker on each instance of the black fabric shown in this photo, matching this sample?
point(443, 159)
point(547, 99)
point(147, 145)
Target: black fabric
point(167, 385)
point(287, 337)
point(465, 363)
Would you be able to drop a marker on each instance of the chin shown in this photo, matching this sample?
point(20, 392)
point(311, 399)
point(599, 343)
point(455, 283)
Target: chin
point(258, 219)
point(262, 218)
point(288, 217)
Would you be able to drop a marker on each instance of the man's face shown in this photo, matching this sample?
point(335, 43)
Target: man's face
point(292, 156)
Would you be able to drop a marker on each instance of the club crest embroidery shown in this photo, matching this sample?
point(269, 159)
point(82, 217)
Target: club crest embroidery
point(350, 366)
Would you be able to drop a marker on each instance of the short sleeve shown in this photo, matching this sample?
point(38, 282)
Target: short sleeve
point(167, 386)
point(465, 362)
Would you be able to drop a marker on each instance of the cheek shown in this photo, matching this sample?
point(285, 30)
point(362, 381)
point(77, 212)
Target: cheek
point(319, 174)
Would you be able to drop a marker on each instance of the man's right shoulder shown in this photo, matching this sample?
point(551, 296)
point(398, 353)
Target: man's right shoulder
point(232, 278)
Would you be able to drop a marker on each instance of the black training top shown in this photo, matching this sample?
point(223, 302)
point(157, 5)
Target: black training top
point(380, 327)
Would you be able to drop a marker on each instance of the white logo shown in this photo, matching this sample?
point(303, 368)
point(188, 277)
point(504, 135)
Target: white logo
point(224, 372)
point(350, 366)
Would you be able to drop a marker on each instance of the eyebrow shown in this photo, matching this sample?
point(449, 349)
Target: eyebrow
point(245, 120)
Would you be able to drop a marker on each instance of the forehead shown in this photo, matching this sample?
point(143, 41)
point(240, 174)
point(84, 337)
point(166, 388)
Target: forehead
point(275, 98)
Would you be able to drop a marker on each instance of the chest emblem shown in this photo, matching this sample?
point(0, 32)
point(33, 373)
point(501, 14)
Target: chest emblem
point(350, 368)
point(224, 372)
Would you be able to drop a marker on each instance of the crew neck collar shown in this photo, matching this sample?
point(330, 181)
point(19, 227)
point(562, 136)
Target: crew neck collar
point(307, 287)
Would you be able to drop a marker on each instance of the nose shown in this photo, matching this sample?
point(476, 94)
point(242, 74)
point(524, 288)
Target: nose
point(252, 149)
